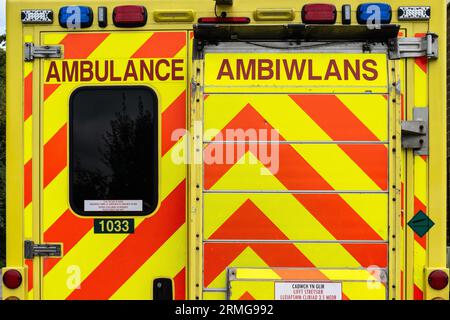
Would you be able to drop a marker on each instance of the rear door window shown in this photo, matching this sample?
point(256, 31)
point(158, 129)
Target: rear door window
point(114, 151)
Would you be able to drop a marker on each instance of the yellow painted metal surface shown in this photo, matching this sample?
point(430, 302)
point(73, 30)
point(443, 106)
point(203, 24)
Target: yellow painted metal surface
point(424, 179)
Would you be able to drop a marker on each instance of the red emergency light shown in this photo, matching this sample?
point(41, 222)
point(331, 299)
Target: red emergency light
point(224, 20)
point(130, 16)
point(319, 13)
point(12, 279)
point(438, 280)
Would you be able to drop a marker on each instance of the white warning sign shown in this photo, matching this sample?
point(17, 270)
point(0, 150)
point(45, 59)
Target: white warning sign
point(112, 205)
point(308, 291)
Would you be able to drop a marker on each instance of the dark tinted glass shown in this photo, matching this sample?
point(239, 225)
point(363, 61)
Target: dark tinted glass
point(114, 151)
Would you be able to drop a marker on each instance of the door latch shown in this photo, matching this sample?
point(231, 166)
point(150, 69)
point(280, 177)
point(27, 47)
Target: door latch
point(32, 52)
point(415, 132)
point(42, 250)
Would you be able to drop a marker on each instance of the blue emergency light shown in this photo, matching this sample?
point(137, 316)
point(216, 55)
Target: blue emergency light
point(74, 17)
point(378, 13)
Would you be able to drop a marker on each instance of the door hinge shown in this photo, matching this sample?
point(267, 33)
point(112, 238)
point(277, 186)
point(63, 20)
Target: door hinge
point(427, 46)
point(415, 132)
point(32, 52)
point(42, 250)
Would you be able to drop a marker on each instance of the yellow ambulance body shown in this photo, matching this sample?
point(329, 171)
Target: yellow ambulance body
point(207, 149)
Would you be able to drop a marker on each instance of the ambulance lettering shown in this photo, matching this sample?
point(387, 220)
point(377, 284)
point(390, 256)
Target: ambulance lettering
point(110, 71)
point(297, 69)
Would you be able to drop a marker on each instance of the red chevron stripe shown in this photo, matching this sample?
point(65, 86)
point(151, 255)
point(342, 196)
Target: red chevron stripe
point(49, 89)
point(68, 230)
point(341, 124)
point(237, 226)
point(369, 255)
point(402, 284)
point(135, 250)
point(247, 297)
point(180, 285)
point(55, 157)
point(81, 45)
point(348, 225)
point(29, 264)
point(28, 96)
point(217, 257)
point(422, 62)
point(173, 118)
point(418, 293)
point(162, 45)
point(419, 206)
point(344, 223)
point(28, 183)
point(334, 117)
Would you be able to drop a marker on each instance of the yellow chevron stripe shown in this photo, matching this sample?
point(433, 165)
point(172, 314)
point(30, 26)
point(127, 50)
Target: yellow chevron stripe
point(53, 38)
point(248, 257)
point(102, 246)
point(370, 211)
point(260, 290)
point(28, 222)
point(218, 208)
point(214, 296)
point(163, 259)
point(28, 140)
point(421, 179)
point(55, 202)
point(120, 45)
point(287, 117)
point(420, 260)
point(371, 110)
point(336, 167)
point(420, 87)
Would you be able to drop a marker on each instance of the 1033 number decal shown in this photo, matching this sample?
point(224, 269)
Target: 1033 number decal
point(113, 226)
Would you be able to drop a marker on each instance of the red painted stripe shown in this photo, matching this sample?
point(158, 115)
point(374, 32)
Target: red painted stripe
point(68, 230)
point(402, 284)
point(344, 223)
point(28, 183)
point(334, 117)
point(29, 264)
point(369, 255)
point(81, 45)
point(422, 63)
point(180, 285)
point(348, 225)
point(341, 124)
point(247, 297)
point(49, 89)
point(55, 155)
point(217, 257)
point(135, 250)
point(237, 226)
point(418, 293)
point(162, 45)
point(419, 206)
point(173, 118)
point(28, 96)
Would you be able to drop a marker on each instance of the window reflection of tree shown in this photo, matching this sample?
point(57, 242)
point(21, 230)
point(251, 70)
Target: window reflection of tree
point(126, 153)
